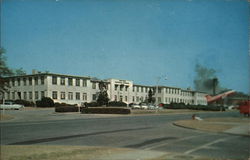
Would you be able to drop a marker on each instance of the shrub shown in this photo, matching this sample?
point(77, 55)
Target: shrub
point(117, 104)
point(66, 109)
point(106, 110)
point(45, 102)
point(63, 104)
point(91, 104)
point(24, 102)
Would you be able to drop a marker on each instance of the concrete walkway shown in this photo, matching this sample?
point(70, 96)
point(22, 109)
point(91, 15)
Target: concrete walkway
point(240, 130)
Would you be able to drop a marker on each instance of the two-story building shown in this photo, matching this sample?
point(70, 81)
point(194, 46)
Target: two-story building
point(79, 89)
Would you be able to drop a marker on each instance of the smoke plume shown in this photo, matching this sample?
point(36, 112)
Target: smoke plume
point(206, 80)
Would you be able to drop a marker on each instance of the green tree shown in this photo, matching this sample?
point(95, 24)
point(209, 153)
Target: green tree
point(19, 72)
point(4, 69)
point(150, 96)
point(103, 95)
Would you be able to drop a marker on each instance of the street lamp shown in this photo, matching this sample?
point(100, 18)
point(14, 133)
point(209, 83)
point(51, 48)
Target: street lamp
point(157, 87)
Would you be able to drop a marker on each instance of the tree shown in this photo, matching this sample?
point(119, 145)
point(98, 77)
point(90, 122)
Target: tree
point(103, 95)
point(19, 72)
point(4, 69)
point(45, 102)
point(150, 96)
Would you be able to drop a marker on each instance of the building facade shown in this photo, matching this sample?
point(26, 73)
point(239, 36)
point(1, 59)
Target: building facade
point(79, 89)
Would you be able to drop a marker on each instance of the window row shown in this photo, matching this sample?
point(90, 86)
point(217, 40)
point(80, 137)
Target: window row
point(121, 98)
point(121, 87)
point(69, 95)
point(139, 99)
point(69, 81)
point(172, 91)
point(29, 95)
point(141, 89)
point(27, 81)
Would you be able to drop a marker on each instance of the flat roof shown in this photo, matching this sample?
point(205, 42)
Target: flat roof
point(49, 74)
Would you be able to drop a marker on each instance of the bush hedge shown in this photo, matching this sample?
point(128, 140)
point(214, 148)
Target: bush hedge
point(63, 104)
point(117, 104)
point(66, 109)
point(24, 102)
point(45, 102)
point(91, 104)
point(193, 107)
point(106, 110)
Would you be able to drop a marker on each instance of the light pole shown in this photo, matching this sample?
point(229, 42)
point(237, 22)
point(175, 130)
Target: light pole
point(157, 88)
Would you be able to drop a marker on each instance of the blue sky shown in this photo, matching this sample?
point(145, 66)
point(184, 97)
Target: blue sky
point(137, 40)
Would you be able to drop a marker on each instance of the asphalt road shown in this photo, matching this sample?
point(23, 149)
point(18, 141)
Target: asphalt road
point(149, 132)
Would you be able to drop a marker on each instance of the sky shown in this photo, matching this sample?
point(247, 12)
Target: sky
point(139, 40)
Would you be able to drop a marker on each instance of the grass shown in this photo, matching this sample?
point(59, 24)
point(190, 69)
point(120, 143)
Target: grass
point(45, 152)
point(4, 117)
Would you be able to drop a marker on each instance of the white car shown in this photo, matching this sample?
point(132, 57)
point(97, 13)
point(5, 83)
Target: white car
point(143, 106)
point(10, 105)
point(152, 106)
point(136, 106)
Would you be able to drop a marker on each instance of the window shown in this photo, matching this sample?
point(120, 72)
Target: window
point(30, 80)
point(133, 89)
point(133, 98)
point(54, 79)
point(70, 95)
point(115, 97)
point(121, 98)
point(84, 96)
point(42, 79)
point(13, 82)
point(84, 83)
point(42, 94)
point(24, 82)
point(121, 88)
point(138, 89)
point(30, 95)
point(62, 95)
point(36, 95)
point(18, 82)
point(62, 80)
point(24, 95)
point(77, 82)
point(137, 99)
point(94, 97)
point(77, 95)
point(54, 94)
point(116, 87)
point(13, 95)
point(159, 99)
point(70, 81)
point(141, 99)
point(93, 85)
point(126, 88)
point(142, 89)
point(36, 80)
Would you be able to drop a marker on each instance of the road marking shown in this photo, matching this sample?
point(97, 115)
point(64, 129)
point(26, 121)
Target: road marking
point(163, 144)
point(205, 145)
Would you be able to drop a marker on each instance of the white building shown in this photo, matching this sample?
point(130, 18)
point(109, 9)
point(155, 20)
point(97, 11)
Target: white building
point(79, 89)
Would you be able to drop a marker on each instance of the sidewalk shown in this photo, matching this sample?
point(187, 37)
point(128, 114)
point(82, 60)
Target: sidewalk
point(237, 126)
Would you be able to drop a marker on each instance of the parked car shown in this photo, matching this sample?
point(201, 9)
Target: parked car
point(11, 105)
point(144, 106)
point(136, 106)
point(150, 106)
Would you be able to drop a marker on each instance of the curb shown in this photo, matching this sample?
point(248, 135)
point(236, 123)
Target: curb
point(234, 134)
